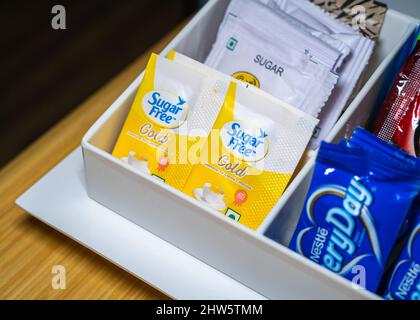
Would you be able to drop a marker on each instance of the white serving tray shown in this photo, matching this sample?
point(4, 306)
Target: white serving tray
point(59, 199)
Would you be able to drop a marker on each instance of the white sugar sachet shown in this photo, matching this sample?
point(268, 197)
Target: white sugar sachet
point(297, 34)
point(245, 53)
point(361, 51)
point(313, 26)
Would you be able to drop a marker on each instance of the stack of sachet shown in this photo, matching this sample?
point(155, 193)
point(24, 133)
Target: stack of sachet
point(294, 51)
point(358, 201)
point(231, 148)
point(361, 217)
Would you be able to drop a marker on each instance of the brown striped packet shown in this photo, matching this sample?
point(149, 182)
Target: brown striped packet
point(367, 16)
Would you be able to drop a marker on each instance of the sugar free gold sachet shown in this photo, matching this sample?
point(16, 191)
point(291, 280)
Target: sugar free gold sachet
point(254, 146)
point(231, 147)
point(171, 116)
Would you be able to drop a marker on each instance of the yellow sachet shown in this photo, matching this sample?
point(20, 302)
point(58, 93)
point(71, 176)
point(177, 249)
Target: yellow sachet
point(172, 114)
point(255, 145)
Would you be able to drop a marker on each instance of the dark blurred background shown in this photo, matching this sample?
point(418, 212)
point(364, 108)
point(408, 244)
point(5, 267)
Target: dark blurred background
point(45, 73)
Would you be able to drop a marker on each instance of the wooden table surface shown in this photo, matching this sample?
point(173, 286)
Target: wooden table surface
point(28, 248)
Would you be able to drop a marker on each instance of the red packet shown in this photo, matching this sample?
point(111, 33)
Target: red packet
point(398, 120)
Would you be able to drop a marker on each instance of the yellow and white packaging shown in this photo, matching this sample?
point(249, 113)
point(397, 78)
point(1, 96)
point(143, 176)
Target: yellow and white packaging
point(197, 65)
point(174, 109)
point(254, 146)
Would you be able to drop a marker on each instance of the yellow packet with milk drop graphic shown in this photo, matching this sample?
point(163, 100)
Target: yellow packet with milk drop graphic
point(172, 101)
point(255, 146)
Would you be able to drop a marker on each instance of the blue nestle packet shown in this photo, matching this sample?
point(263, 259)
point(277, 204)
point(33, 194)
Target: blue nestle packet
point(404, 282)
point(357, 202)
